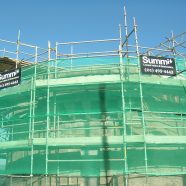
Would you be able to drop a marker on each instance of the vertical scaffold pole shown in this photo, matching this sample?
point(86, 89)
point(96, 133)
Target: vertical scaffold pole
point(126, 43)
point(55, 116)
point(33, 111)
point(58, 120)
point(17, 49)
point(173, 44)
point(56, 58)
point(126, 31)
point(31, 105)
point(123, 108)
point(48, 114)
point(30, 129)
point(141, 98)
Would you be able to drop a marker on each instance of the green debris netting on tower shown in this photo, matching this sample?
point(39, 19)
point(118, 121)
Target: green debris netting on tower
point(93, 117)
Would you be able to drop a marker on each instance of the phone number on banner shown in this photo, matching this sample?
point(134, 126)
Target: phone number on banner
point(159, 71)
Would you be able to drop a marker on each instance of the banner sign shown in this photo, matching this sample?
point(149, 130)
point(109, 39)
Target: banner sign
point(10, 78)
point(157, 65)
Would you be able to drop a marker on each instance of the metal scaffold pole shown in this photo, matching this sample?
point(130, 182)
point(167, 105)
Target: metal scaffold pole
point(48, 114)
point(33, 111)
point(173, 44)
point(30, 105)
point(30, 128)
point(126, 31)
point(123, 109)
point(17, 49)
point(141, 100)
point(56, 58)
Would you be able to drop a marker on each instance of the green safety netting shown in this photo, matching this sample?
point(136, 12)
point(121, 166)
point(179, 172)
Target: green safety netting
point(93, 117)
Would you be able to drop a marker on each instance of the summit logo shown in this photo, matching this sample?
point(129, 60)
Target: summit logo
point(157, 61)
point(157, 65)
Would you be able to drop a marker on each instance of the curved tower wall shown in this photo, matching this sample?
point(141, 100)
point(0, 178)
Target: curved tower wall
point(91, 121)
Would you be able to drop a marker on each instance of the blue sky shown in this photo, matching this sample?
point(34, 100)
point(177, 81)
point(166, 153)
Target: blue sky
point(76, 20)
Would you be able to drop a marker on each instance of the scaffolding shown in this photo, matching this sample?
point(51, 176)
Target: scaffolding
point(92, 118)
